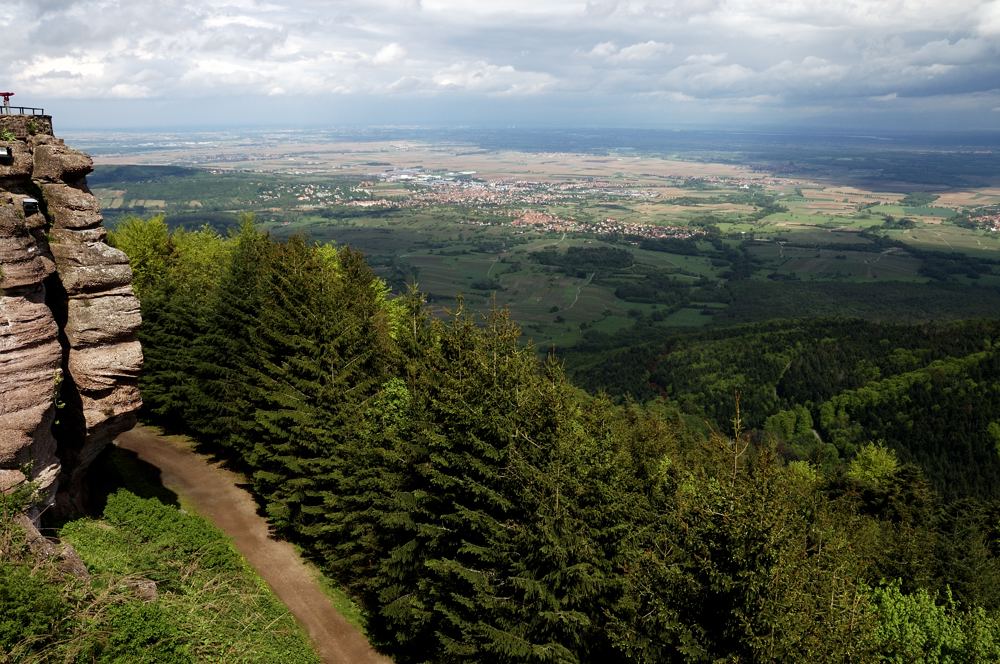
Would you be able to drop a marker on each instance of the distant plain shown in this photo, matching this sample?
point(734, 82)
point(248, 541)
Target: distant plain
point(443, 213)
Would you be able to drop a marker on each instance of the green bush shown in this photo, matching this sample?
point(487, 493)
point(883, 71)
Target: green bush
point(153, 539)
point(210, 605)
point(917, 628)
point(31, 609)
point(135, 632)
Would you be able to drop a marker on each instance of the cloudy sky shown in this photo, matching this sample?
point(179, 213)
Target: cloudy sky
point(858, 63)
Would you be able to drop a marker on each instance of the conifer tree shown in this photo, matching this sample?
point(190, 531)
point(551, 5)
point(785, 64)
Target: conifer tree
point(222, 396)
point(176, 316)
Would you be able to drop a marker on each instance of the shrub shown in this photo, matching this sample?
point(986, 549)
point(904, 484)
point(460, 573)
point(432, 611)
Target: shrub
point(30, 607)
point(136, 632)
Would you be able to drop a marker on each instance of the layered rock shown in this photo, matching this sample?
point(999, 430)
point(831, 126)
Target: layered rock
point(31, 357)
point(69, 358)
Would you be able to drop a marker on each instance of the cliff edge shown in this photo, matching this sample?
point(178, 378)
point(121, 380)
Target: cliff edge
point(69, 357)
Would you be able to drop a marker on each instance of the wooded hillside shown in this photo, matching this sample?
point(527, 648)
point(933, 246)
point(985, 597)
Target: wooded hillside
point(482, 508)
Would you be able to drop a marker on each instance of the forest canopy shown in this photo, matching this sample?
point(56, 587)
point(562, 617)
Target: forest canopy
point(480, 507)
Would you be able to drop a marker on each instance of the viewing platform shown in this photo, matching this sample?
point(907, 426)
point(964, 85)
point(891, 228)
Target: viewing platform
point(23, 121)
point(23, 126)
point(21, 110)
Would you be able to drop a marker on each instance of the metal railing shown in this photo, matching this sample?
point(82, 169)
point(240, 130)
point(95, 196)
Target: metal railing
point(21, 110)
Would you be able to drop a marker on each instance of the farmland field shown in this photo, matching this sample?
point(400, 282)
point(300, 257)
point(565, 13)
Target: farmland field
point(694, 238)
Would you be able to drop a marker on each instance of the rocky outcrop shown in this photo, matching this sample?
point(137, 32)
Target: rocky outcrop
point(31, 357)
point(69, 358)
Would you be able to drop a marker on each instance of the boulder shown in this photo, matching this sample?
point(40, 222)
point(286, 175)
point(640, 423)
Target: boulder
point(54, 162)
point(87, 266)
point(77, 235)
point(102, 318)
point(11, 479)
point(71, 206)
point(101, 368)
point(30, 354)
point(20, 165)
point(21, 262)
point(21, 430)
point(108, 415)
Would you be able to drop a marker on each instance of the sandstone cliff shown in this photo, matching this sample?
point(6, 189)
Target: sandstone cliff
point(69, 358)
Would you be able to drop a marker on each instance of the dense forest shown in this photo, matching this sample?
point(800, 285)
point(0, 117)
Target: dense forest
point(480, 507)
point(823, 387)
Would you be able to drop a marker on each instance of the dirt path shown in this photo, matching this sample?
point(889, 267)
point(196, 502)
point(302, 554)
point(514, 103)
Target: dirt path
point(579, 289)
point(213, 492)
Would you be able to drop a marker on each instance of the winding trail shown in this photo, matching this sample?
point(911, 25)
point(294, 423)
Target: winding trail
point(214, 493)
point(493, 265)
point(579, 289)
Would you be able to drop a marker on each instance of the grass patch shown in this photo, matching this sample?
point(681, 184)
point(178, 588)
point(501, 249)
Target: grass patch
point(206, 591)
point(688, 318)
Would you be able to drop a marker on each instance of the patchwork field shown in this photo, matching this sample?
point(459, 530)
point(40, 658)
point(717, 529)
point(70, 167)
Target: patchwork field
point(529, 230)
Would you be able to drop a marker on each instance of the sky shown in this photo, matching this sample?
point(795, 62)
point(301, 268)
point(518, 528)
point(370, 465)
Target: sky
point(892, 64)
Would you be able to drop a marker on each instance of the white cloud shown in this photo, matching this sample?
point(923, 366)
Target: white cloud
point(704, 78)
point(389, 54)
point(958, 52)
point(810, 71)
point(705, 58)
point(491, 79)
point(604, 49)
point(989, 19)
point(242, 21)
point(638, 52)
point(407, 84)
point(130, 91)
point(43, 66)
point(670, 95)
point(808, 53)
point(505, 7)
point(647, 50)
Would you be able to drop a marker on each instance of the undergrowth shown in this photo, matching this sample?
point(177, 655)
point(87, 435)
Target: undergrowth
point(209, 605)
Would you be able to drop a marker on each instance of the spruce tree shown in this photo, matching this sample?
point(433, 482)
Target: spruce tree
point(222, 395)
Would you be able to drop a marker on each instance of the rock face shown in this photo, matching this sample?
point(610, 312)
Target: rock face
point(69, 358)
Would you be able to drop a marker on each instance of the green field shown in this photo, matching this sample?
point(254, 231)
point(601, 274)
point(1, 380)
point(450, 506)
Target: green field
point(753, 239)
point(947, 238)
